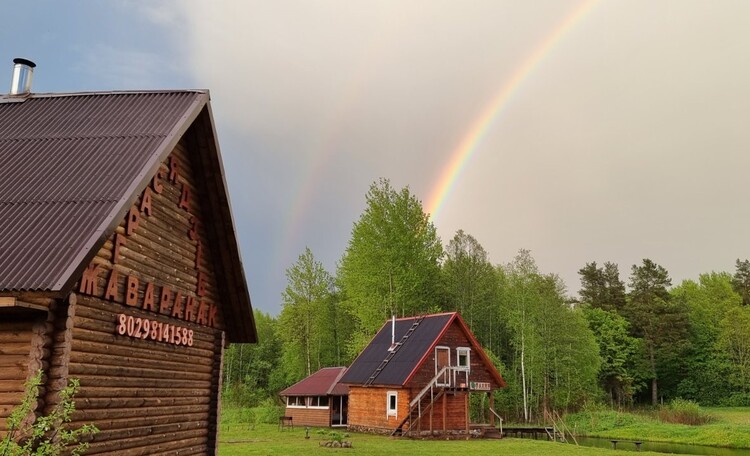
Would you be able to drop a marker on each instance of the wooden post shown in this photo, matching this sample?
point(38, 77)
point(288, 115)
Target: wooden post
point(492, 407)
point(445, 408)
point(466, 411)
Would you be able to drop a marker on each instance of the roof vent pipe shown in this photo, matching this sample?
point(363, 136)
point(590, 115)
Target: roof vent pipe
point(23, 71)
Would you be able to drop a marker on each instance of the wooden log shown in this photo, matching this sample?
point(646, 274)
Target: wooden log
point(105, 359)
point(174, 356)
point(91, 390)
point(117, 372)
point(94, 415)
point(106, 330)
point(146, 402)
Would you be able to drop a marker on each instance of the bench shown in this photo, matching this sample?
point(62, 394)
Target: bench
point(285, 422)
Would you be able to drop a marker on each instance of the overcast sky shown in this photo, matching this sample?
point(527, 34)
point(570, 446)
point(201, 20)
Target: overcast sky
point(627, 138)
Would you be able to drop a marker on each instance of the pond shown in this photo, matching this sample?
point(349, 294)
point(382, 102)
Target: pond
point(661, 447)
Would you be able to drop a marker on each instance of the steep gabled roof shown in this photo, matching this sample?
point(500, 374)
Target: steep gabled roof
point(412, 354)
point(324, 382)
point(73, 164)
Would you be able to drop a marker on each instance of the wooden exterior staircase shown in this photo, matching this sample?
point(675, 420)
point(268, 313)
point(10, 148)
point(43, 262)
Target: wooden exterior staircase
point(444, 382)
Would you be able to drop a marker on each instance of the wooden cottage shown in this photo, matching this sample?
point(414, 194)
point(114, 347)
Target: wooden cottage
point(416, 375)
point(119, 264)
point(318, 400)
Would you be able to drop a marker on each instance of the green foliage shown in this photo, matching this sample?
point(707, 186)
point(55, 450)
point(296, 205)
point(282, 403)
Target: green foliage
point(552, 354)
point(602, 288)
point(741, 280)
point(471, 286)
point(252, 372)
point(45, 435)
point(661, 322)
point(706, 367)
point(684, 411)
point(619, 375)
point(734, 339)
point(391, 265)
point(307, 319)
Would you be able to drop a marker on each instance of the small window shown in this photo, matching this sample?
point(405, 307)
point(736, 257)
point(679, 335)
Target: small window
point(319, 401)
point(463, 358)
point(295, 401)
point(392, 403)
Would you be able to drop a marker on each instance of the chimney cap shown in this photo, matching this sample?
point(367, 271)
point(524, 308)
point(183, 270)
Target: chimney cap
point(23, 61)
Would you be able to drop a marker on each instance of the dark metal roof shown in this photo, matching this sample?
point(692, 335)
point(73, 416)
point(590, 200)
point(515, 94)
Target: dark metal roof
point(406, 359)
point(68, 163)
point(322, 383)
point(74, 163)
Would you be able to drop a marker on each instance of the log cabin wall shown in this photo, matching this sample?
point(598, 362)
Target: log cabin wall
point(15, 348)
point(145, 332)
point(368, 408)
point(25, 342)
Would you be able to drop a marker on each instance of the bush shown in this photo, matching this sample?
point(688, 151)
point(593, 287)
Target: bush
point(47, 435)
point(268, 412)
point(684, 411)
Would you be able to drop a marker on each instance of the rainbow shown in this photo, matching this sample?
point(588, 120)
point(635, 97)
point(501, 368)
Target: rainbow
point(471, 140)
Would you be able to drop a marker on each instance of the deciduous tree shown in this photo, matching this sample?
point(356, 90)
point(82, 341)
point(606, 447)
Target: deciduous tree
point(391, 265)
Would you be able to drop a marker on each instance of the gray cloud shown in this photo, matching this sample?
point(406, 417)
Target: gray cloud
point(625, 142)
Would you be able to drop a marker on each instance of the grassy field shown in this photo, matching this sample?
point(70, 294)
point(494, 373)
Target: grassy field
point(242, 433)
point(730, 428)
point(238, 437)
point(266, 439)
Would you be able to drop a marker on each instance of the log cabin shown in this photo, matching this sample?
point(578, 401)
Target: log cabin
point(318, 399)
point(119, 264)
point(415, 378)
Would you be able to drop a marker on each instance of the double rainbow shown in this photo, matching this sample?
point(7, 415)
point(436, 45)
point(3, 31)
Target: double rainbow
point(471, 140)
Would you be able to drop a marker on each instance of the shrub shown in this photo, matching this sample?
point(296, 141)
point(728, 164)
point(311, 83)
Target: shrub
point(684, 411)
point(48, 435)
point(268, 412)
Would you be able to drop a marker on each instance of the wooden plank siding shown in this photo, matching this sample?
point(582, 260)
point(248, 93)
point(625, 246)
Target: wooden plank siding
point(147, 396)
point(368, 408)
point(453, 338)
point(307, 416)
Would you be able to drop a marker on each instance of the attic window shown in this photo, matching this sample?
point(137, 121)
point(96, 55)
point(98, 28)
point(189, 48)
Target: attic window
point(463, 358)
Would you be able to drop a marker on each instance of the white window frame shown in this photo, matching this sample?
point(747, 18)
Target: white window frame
point(294, 405)
point(311, 400)
point(394, 411)
point(467, 351)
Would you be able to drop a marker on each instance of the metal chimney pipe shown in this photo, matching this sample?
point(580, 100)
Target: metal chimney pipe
point(393, 330)
point(23, 72)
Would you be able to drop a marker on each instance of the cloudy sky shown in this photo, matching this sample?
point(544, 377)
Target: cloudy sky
point(592, 131)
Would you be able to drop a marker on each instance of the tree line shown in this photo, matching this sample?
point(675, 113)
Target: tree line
point(641, 343)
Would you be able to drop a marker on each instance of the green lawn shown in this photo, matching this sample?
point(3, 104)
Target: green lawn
point(731, 427)
point(265, 439)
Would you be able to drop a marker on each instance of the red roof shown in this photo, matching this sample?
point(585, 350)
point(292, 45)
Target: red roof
point(324, 382)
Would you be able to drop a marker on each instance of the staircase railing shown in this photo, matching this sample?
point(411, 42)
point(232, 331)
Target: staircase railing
point(448, 377)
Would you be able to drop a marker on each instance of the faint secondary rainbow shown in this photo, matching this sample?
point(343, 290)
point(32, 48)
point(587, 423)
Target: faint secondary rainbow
point(471, 140)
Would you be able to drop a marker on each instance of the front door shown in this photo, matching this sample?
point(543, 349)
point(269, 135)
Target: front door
point(442, 359)
point(339, 409)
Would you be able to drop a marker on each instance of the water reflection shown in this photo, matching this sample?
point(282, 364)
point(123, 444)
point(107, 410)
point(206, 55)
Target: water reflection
point(674, 448)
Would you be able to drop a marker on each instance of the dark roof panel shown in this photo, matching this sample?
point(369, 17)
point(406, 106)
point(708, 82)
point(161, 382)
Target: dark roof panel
point(322, 383)
point(70, 162)
point(406, 358)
